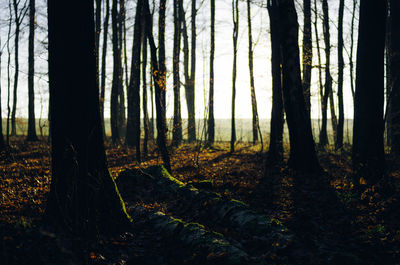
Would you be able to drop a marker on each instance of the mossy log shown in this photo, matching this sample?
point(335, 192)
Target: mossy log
point(210, 247)
point(226, 212)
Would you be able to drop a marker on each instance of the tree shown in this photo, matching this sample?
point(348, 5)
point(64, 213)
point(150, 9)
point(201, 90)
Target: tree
point(103, 63)
point(144, 93)
point(117, 75)
point(307, 53)
point(235, 35)
point(83, 197)
point(159, 86)
point(161, 55)
point(395, 76)
point(302, 150)
point(177, 124)
point(31, 72)
point(133, 125)
point(339, 135)
point(275, 152)
point(210, 121)
point(2, 143)
point(368, 150)
point(19, 15)
point(255, 123)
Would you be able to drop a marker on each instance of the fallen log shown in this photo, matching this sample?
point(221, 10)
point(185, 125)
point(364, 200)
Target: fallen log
point(210, 247)
point(226, 212)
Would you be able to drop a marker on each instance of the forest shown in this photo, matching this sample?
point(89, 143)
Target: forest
point(231, 132)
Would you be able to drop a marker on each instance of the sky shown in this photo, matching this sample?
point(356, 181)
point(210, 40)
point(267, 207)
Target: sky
point(223, 59)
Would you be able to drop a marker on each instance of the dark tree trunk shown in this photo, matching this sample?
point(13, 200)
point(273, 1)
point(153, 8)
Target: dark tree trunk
point(117, 76)
point(177, 124)
point(2, 143)
point(151, 130)
point(255, 121)
point(8, 74)
point(351, 64)
point(235, 34)
point(210, 121)
point(159, 84)
point(161, 55)
point(302, 150)
point(388, 55)
point(368, 151)
point(83, 197)
point(275, 152)
point(31, 72)
point(144, 91)
point(307, 54)
point(133, 126)
point(321, 86)
point(339, 135)
point(122, 47)
point(395, 74)
point(19, 15)
point(103, 64)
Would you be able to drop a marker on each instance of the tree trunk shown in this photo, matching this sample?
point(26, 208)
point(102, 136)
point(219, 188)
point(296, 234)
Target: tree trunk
point(161, 55)
point(2, 143)
point(255, 121)
point(133, 125)
point(302, 150)
point(368, 151)
point(31, 72)
point(103, 65)
point(121, 92)
point(177, 124)
point(8, 73)
point(275, 152)
point(159, 85)
point(117, 76)
point(307, 54)
point(210, 121)
point(351, 64)
point(339, 135)
point(144, 91)
point(395, 74)
point(235, 34)
point(83, 198)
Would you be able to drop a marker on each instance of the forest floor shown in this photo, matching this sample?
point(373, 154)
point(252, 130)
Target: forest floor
point(330, 221)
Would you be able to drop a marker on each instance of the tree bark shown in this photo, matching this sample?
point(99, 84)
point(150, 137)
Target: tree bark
point(210, 121)
point(255, 121)
point(395, 74)
point(307, 54)
point(83, 198)
point(103, 65)
point(31, 72)
point(121, 91)
point(339, 135)
point(275, 152)
point(2, 143)
point(368, 151)
point(177, 124)
point(351, 64)
point(159, 85)
point(302, 150)
point(133, 125)
point(161, 56)
point(235, 35)
point(117, 76)
point(144, 92)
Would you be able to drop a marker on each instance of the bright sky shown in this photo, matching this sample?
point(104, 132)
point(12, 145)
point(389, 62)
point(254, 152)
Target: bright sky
point(223, 60)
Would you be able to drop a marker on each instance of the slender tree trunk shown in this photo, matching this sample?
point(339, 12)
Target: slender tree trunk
point(177, 124)
point(133, 126)
point(97, 39)
point(235, 34)
point(368, 150)
point(210, 121)
point(321, 86)
point(31, 72)
point(395, 74)
point(117, 75)
point(275, 152)
point(307, 54)
point(158, 77)
point(161, 55)
point(151, 130)
point(9, 73)
point(351, 63)
point(339, 135)
point(83, 199)
point(2, 143)
point(144, 91)
point(302, 150)
point(103, 65)
point(388, 72)
point(122, 47)
point(255, 123)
